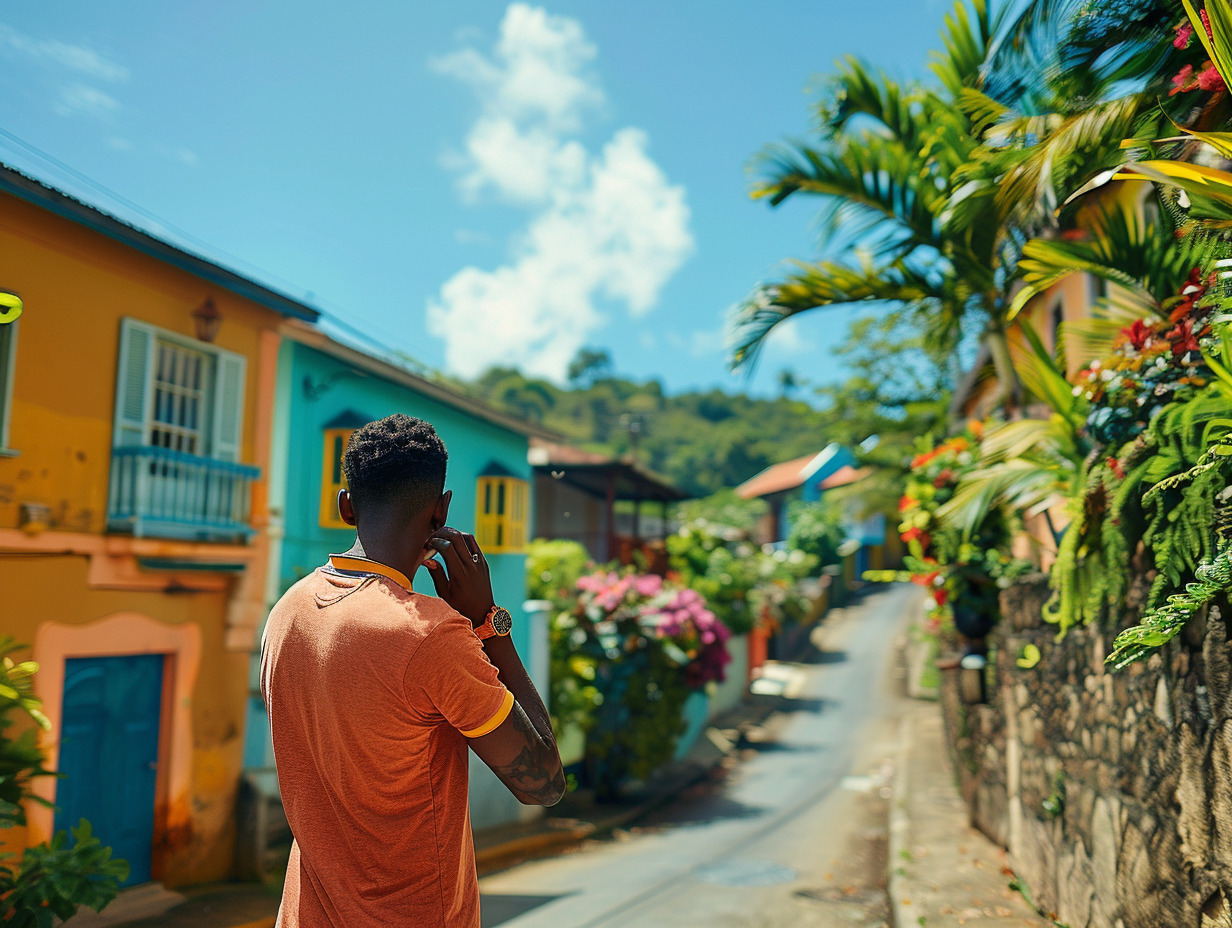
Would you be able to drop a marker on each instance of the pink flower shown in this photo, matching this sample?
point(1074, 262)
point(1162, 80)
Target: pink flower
point(1184, 33)
point(1211, 80)
point(1184, 81)
point(648, 585)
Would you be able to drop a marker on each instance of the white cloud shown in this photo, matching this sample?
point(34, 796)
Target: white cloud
point(538, 72)
point(787, 339)
point(77, 58)
point(699, 343)
point(84, 100)
point(605, 226)
point(74, 72)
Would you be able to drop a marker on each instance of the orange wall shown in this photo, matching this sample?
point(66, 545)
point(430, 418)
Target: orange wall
point(44, 590)
point(61, 584)
point(76, 285)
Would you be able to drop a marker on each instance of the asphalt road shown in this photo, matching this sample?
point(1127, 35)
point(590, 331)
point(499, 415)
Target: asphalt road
point(792, 835)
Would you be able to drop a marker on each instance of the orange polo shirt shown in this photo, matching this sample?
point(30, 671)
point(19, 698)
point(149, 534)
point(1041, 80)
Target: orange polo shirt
point(372, 691)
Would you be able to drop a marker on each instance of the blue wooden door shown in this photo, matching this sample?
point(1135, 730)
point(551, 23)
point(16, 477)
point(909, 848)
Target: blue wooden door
point(109, 753)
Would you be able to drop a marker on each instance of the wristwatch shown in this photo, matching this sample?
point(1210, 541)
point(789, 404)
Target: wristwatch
point(498, 622)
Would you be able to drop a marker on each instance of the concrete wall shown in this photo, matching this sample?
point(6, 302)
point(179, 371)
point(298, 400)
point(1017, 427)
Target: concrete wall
point(1112, 791)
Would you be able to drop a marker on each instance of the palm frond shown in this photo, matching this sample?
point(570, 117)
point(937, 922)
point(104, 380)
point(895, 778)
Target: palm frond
point(819, 286)
point(1092, 337)
point(1137, 248)
point(857, 90)
point(966, 37)
point(1047, 154)
point(1044, 378)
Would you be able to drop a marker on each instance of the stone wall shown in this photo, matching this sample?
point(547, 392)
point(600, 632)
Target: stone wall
point(1112, 791)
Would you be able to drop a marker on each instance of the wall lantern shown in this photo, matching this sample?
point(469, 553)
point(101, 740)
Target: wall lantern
point(207, 319)
point(10, 307)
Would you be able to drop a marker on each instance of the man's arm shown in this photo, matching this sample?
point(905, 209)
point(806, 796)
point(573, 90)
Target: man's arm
point(521, 751)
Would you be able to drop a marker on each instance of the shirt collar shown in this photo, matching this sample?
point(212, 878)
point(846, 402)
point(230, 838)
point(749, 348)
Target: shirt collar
point(352, 563)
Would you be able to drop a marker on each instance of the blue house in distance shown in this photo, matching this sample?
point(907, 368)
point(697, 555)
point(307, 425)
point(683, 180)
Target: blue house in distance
point(325, 390)
point(802, 479)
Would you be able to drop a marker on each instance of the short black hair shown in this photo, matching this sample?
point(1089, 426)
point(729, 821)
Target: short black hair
point(398, 460)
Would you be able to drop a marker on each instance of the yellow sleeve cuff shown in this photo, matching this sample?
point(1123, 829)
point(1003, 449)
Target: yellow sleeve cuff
point(494, 722)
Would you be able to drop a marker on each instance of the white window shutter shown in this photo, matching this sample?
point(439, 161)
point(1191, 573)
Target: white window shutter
point(229, 407)
point(133, 378)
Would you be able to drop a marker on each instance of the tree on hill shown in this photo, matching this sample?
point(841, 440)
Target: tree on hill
point(700, 440)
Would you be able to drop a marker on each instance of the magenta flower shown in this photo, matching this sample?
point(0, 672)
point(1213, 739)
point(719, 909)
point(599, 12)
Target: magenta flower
point(1211, 80)
point(1184, 34)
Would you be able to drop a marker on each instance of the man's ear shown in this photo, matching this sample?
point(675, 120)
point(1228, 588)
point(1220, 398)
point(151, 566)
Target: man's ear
point(440, 512)
point(345, 508)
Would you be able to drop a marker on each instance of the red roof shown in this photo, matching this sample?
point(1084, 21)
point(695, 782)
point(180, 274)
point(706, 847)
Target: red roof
point(776, 478)
point(791, 474)
point(844, 476)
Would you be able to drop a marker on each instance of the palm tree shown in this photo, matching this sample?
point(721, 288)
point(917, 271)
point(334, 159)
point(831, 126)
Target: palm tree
point(886, 169)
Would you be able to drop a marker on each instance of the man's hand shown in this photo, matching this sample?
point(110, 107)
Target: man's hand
point(468, 585)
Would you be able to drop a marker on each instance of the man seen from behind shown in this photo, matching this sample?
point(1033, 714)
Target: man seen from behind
point(375, 693)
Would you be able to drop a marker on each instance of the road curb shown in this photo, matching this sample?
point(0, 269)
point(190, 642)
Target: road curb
point(899, 850)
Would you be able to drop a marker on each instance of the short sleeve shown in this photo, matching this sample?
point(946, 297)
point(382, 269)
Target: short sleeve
point(452, 674)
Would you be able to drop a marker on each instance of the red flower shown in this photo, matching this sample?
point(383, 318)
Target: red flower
point(1211, 80)
point(905, 503)
point(943, 478)
point(1182, 338)
point(1180, 311)
point(1116, 468)
point(1183, 81)
point(1138, 334)
point(1184, 33)
point(940, 595)
point(1206, 24)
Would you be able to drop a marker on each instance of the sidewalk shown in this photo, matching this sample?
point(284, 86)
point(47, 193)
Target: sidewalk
point(943, 872)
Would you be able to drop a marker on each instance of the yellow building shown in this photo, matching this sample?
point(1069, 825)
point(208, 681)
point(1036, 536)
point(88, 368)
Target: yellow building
point(136, 395)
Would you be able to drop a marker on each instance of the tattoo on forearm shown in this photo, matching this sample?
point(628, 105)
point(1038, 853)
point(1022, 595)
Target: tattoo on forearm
point(534, 773)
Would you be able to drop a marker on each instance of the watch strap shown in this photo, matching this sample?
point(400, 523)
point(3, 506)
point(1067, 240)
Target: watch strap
point(489, 627)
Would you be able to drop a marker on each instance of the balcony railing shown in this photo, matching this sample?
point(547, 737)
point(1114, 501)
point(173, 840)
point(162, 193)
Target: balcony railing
point(160, 493)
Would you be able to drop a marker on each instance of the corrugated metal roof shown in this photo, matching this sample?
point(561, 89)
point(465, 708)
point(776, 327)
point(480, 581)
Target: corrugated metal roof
point(41, 194)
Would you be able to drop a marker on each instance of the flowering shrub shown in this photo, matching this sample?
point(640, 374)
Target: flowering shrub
point(742, 583)
point(692, 637)
point(1153, 362)
point(1205, 76)
point(963, 574)
point(624, 660)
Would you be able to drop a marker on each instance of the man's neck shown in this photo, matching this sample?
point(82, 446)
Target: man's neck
point(385, 552)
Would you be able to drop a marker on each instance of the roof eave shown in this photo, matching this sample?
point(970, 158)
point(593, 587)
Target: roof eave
point(312, 337)
point(44, 196)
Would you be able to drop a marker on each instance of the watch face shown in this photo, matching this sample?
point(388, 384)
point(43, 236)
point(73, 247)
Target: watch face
point(502, 621)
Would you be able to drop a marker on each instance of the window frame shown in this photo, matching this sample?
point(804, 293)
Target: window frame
point(327, 515)
point(224, 409)
point(502, 532)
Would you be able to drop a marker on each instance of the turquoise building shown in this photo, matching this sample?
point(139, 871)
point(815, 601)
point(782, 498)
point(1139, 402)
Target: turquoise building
point(325, 390)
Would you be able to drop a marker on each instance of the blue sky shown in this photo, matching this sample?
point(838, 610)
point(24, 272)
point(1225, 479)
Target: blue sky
point(470, 183)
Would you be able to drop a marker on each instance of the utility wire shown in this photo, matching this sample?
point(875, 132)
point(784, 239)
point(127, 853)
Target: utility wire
point(384, 345)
